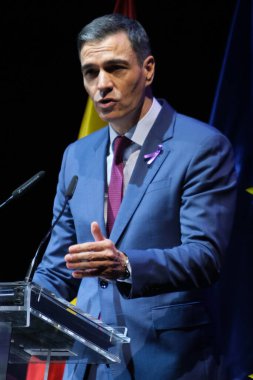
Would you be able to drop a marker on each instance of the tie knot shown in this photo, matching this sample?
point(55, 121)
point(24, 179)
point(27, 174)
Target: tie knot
point(120, 144)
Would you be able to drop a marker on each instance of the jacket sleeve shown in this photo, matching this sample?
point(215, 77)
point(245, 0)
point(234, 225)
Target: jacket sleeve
point(52, 273)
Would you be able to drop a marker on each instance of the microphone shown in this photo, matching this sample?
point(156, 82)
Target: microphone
point(23, 188)
point(68, 195)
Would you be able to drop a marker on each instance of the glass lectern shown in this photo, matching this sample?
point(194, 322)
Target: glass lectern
point(36, 326)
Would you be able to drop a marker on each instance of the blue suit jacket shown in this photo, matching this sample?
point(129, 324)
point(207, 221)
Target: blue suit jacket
point(174, 224)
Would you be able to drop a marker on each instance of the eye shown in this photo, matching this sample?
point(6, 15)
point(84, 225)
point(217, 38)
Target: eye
point(114, 68)
point(90, 73)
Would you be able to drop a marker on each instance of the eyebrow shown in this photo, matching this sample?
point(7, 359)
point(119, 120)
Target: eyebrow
point(107, 63)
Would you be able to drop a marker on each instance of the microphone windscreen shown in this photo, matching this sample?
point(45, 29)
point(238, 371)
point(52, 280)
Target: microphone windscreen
point(23, 188)
point(72, 186)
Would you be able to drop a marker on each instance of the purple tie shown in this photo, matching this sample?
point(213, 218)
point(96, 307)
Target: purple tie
point(115, 189)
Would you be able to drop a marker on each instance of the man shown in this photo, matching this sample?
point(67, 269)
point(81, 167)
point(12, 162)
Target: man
point(153, 272)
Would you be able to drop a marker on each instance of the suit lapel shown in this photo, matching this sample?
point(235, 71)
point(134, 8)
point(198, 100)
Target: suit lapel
point(143, 173)
point(96, 181)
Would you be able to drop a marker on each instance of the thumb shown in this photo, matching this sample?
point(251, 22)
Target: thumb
point(96, 232)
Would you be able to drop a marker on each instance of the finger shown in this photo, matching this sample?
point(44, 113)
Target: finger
point(84, 273)
point(96, 232)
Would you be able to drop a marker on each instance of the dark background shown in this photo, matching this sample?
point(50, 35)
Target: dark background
point(42, 99)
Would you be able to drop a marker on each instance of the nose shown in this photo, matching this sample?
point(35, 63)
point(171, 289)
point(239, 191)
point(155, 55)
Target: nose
point(104, 83)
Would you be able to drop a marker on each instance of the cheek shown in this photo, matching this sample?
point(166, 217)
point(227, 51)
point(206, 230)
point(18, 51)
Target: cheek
point(85, 84)
point(134, 88)
point(138, 86)
point(88, 84)
point(89, 89)
point(86, 87)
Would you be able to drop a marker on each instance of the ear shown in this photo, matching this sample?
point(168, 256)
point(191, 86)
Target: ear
point(149, 67)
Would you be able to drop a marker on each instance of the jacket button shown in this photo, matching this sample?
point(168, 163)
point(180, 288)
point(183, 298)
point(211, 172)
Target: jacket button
point(103, 283)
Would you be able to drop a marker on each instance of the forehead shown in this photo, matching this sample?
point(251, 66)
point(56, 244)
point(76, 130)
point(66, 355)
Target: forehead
point(116, 45)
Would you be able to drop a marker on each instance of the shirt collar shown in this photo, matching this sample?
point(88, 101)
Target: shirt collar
point(139, 132)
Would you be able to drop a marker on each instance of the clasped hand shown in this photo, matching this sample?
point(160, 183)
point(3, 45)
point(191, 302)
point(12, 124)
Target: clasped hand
point(99, 258)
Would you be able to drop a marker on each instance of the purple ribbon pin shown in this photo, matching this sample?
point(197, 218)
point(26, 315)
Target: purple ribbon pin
point(152, 156)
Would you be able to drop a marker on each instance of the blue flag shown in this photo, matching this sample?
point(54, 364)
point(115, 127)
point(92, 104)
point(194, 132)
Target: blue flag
point(232, 114)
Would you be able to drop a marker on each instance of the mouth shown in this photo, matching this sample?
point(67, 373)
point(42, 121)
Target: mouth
point(106, 103)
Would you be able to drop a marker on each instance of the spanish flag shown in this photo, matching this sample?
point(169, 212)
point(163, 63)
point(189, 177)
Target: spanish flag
point(91, 122)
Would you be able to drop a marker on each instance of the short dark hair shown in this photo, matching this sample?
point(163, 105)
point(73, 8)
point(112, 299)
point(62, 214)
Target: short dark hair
point(104, 26)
